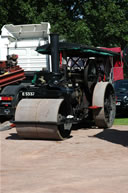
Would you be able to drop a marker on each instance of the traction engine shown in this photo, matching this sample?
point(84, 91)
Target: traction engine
point(77, 88)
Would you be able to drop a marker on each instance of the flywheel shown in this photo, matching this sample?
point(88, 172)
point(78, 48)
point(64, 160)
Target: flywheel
point(90, 75)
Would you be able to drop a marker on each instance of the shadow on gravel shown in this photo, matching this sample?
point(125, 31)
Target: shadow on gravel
point(86, 126)
point(114, 136)
point(13, 136)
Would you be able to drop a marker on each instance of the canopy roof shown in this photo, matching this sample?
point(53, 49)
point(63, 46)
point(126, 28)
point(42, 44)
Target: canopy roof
point(26, 31)
point(72, 49)
point(114, 49)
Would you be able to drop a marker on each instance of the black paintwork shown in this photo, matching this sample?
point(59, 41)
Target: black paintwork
point(121, 91)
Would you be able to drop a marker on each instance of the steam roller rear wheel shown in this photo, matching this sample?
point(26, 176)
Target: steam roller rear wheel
point(43, 119)
point(104, 98)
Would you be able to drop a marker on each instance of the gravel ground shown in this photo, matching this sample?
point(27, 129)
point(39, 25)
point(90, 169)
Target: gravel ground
point(90, 161)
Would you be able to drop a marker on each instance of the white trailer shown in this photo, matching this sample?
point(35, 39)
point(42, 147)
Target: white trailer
point(23, 40)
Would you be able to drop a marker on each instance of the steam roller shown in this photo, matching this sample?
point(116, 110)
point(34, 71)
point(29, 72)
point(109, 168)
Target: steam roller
point(76, 87)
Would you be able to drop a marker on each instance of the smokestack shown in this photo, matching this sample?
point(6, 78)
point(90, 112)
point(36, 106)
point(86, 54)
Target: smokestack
point(54, 38)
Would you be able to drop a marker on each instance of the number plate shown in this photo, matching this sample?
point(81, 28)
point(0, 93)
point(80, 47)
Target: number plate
point(27, 94)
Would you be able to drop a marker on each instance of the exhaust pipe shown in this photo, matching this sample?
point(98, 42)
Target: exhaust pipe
point(54, 38)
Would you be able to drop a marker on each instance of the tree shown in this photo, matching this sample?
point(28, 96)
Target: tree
point(18, 12)
point(107, 20)
point(3, 13)
point(92, 22)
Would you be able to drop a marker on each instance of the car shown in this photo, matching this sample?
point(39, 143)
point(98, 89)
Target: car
point(121, 92)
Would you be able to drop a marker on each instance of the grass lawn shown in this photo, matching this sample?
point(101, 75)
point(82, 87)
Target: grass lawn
point(121, 121)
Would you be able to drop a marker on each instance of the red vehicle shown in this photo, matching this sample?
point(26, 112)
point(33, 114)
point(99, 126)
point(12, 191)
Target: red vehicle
point(118, 64)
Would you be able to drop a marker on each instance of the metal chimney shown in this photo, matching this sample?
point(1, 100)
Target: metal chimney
point(54, 38)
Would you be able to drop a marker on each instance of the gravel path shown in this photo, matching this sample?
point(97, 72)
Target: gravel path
point(90, 161)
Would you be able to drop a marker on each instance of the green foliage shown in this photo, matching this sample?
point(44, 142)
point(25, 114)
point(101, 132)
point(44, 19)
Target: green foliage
point(3, 13)
point(107, 20)
point(17, 12)
point(92, 22)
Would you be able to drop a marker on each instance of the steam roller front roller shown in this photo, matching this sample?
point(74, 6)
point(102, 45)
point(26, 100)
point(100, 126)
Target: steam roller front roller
point(104, 101)
point(43, 119)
